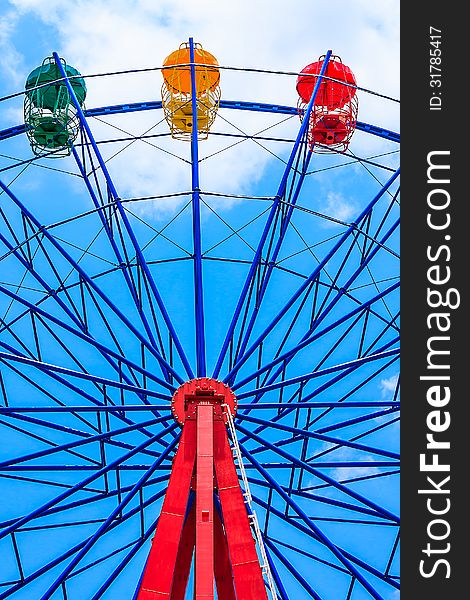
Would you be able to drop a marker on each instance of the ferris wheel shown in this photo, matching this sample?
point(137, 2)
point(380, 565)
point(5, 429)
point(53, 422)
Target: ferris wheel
point(203, 403)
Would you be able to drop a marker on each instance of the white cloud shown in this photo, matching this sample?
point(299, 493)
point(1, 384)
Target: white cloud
point(348, 454)
point(267, 34)
point(338, 207)
point(388, 386)
point(10, 58)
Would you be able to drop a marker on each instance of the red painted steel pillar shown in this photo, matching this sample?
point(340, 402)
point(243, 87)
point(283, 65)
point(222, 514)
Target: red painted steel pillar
point(223, 546)
point(204, 563)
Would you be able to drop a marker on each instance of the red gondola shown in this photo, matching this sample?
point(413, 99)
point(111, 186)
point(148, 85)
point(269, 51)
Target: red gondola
point(334, 112)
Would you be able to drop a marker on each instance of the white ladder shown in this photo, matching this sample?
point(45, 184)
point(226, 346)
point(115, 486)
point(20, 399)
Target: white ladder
point(265, 568)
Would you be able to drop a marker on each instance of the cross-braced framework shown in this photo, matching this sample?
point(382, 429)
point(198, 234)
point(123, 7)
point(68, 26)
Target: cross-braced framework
point(273, 291)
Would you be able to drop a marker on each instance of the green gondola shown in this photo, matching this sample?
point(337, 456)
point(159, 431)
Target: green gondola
point(50, 114)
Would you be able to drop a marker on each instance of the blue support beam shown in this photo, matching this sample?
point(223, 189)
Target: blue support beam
point(293, 460)
point(296, 431)
point(97, 497)
point(312, 338)
point(109, 521)
point(196, 212)
point(353, 364)
point(277, 579)
point(295, 296)
point(109, 467)
point(47, 367)
point(12, 132)
point(302, 528)
point(65, 555)
point(340, 504)
point(94, 403)
point(78, 443)
point(292, 405)
point(23, 416)
point(84, 336)
point(129, 556)
point(303, 582)
point(126, 268)
point(123, 215)
point(303, 131)
point(279, 109)
point(312, 526)
point(90, 282)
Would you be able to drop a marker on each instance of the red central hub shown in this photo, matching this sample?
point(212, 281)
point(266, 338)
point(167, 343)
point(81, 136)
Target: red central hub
point(202, 390)
point(204, 512)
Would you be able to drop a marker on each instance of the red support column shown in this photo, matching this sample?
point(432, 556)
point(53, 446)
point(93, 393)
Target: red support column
point(159, 570)
point(204, 565)
point(222, 566)
point(225, 551)
point(184, 557)
point(248, 578)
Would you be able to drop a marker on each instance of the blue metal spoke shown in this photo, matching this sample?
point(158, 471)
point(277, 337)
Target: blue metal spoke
point(102, 529)
point(74, 550)
point(68, 384)
point(12, 412)
point(78, 443)
point(294, 523)
point(110, 466)
point(311, 525)
point(311, 278)
point(305, 340)
point(46, 393)
point(125, 220)
point(82, 329)
point(124, 263)
point(141, 391)
point(140, 407)
point(42, 440)
point(353, 364)
point(325, 438)
point(107, 408)
point(86, 337)
point(311, 469)
point(359, 436)
point(274, 210)
point(125, 561)
point(328, 309)
point(282, 233)
point(303, 582)
point(50, 372)
point(97, 497)
point(282, 358)
point(322, 388)
point(101, 559)
point(347, 506)
point(85, 277)
point(307, 554)
point(277, 579)
point(42, 482)
point(196, 211)
point(334, 380)
point(367, 417)
point(18, 413)
point(33, 309)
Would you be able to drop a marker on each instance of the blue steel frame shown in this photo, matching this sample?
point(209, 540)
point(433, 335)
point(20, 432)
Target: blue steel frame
point(233, 104)
point(196, 210)
point(284, 450)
